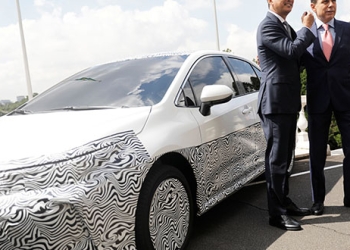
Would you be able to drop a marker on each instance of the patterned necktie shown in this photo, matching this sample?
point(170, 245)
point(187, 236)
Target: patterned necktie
point(327, 42)
point(287, 28)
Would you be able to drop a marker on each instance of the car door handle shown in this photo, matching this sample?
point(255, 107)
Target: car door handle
point(246, 110)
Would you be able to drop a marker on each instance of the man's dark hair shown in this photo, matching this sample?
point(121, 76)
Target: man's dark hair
point(314, 1)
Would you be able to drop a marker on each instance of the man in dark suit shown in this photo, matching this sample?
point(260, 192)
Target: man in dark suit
point(279, 102)
point(328, 91)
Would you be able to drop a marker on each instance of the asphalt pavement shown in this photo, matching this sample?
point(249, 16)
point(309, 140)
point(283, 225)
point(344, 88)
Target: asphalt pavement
point(241, 221)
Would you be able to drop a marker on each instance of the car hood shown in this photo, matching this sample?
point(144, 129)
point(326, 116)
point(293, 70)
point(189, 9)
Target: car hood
point(35, 135)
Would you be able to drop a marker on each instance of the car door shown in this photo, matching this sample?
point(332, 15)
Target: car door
point(248, 77)
point(228, 133)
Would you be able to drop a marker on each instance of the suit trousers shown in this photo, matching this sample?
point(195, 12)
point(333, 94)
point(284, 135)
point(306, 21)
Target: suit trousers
point(318, 136)
point(279, 130)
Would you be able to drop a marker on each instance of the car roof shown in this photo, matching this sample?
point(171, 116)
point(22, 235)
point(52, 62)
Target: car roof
point(195, 53)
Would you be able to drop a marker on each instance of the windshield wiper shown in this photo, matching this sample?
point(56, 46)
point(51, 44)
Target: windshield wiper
point(21, 112)
point(78, 108)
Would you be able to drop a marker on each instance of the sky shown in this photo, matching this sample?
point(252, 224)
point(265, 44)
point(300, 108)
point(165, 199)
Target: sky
point(63, 37)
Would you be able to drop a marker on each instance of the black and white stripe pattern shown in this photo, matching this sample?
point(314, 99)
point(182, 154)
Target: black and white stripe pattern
point(89, 199)
point(86, 198)
point(223, 166)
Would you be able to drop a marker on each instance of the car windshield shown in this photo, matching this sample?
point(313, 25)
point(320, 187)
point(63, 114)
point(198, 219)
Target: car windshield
point(129, 83)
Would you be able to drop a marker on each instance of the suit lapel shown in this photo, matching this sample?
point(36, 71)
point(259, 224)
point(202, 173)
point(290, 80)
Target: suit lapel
point(316, 50)
point(338, 27)
point(294, 34)
point(273, 17)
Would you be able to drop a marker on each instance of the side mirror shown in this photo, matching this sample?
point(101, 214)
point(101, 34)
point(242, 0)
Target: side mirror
point(213, 95)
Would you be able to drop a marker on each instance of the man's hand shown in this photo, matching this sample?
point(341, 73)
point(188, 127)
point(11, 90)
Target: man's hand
point(307, 19)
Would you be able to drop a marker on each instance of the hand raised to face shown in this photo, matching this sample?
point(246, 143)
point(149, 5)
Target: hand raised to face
point(307, 19)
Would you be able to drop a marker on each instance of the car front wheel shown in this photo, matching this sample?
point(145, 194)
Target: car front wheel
point(165, 213)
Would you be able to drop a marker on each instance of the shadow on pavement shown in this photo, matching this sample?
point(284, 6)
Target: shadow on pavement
point(241, 221)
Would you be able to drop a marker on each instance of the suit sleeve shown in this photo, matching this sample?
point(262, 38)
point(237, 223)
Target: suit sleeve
point(274, 37)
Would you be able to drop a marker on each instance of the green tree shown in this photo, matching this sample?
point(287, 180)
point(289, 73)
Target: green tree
point(4, 109)
point(303, 82)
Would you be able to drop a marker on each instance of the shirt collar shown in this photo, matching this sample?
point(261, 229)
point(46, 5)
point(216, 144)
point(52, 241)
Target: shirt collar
point(319, 23)
point(278, 16)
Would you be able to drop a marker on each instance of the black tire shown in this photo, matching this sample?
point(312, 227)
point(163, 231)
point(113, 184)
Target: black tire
point(165, 210)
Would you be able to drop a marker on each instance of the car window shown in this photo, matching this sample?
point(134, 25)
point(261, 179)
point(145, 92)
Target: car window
point(129, 83)
point(257, 71)
point(209, 71)
point(186, 98)
point(245, 74)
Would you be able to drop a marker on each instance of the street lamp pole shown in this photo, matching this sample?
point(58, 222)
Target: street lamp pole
point(216, 26)
point(25, 59)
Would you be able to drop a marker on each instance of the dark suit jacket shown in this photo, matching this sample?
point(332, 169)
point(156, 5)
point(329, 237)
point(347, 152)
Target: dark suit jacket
point(329, 82)
point(279, 57)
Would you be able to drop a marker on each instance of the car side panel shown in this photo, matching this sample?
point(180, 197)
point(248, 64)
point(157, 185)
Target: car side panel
point(232, 149)
point(221, 169)
point(84, 198)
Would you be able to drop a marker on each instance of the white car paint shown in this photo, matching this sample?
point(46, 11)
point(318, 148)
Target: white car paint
point(40, 134)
